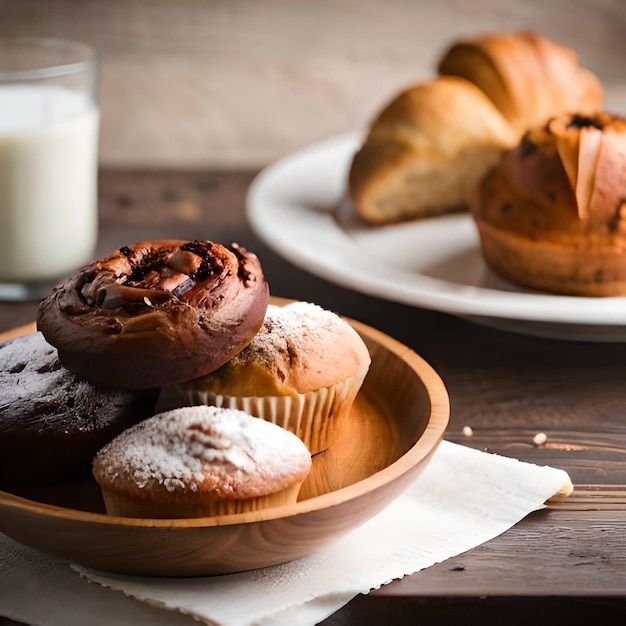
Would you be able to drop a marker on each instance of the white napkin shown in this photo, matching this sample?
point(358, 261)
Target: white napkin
point(462, 499)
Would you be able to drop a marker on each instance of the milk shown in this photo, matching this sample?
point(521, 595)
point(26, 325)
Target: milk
point(48, 181)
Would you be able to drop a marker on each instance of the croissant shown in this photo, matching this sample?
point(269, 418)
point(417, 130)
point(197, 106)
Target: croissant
point(427, 150)
point(528, 77)
point(552, 214)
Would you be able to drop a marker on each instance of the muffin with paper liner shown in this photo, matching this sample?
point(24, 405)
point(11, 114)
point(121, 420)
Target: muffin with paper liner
point(200, 461)
point(302, 371)
point(551, 214)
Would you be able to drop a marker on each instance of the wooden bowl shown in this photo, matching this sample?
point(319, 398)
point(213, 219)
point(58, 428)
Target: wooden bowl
point(397, 423)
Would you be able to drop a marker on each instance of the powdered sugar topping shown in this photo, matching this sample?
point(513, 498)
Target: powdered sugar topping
point(222, 451)
point(294, 323)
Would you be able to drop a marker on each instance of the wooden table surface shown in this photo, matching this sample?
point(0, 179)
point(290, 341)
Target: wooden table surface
point(564, 562)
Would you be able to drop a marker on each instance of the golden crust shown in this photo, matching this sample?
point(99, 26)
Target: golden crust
point(528, 77)
point(301, 347)
point(553, 267)
point(426, 150)
point(552, 214)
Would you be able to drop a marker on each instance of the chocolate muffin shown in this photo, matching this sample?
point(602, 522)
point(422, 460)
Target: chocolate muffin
point(52, 423)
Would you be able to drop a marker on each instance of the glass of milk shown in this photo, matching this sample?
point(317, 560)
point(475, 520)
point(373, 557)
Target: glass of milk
point(49, 120)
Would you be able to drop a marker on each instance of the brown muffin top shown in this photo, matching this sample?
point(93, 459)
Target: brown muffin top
point(564, 183)
point(300, 347)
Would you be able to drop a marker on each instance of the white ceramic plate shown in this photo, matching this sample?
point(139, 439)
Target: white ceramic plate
point(299, 207)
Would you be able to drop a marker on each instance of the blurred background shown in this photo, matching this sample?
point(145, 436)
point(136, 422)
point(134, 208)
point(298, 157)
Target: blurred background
point(239, 83)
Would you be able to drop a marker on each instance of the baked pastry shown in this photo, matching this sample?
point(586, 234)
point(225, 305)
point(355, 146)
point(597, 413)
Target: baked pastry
point(156, 312)
point(552, 214)
point(426, 151)
point(528, 77)
point(51, 424)
point(200, 461)
point(429, 147)
point(301, 371)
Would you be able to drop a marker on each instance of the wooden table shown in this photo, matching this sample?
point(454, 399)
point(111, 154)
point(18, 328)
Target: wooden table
point(567, 562)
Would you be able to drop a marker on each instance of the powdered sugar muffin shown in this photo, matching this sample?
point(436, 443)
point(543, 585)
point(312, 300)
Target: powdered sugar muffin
point(200, 461)
point(302, 371)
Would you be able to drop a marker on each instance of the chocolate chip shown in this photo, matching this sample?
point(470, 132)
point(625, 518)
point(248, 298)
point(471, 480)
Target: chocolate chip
point(582, 121)
point(527, 146)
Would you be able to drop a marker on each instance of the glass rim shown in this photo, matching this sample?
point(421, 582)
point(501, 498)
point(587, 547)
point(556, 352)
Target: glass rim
point(54, 70)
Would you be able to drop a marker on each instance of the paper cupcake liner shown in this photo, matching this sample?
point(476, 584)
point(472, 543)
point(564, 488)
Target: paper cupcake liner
point(122, 505)
point(315, 417)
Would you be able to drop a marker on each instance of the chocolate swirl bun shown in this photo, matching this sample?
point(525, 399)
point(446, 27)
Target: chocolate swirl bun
point(156, 312)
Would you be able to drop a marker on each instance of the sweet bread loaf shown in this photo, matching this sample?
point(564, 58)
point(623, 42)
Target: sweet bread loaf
point(426, 151)
point(552, 214)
